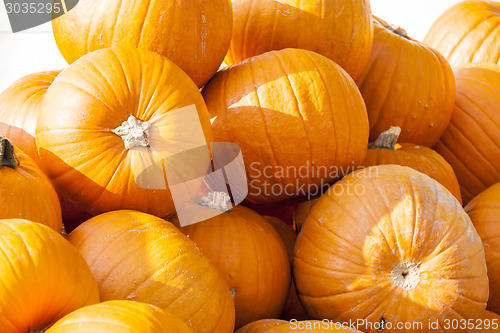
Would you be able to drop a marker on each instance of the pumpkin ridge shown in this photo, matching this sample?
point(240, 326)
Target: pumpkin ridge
point(487, 35)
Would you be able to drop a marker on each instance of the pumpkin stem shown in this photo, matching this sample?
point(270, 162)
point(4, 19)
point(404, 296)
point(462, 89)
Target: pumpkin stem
point(216, 200)
point(134, 133)
point(387, 139)
point(7, 156)
point(397, 30)
point(406, 275)
point(39, 330)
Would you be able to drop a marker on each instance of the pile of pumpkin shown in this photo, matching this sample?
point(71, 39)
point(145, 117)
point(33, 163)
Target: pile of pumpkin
point(309, 85)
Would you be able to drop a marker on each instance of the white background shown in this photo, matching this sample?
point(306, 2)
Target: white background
point(35, 50)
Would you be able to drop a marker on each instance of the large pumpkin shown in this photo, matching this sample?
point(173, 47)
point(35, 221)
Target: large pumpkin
point(120, 317)
point(468, 32)
point(193, 34)
point(140, 257)
point(406, 84)
point(25, 191)
point(388, 244)
point(386, 150)
point(484, 211)
point(43, 277)
point(250, 254)
point(298, 117)
point(472, 140)
point(19, 108)
point(338, 29)
point(119, 115)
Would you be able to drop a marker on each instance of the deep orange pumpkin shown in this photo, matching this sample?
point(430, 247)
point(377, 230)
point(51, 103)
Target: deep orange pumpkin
point(86, 160)
point(19, 108)
point(119, 317)
point(407, 84)
point(484, 211)
point(194, 34)
point(43, 277)
point(140, 257)
point(338, 29)
point(25, 191)
point(390, 244)
point(386, 150)
point(251, 256)
point(472, 140)
point(467, 32)
point(298, 117)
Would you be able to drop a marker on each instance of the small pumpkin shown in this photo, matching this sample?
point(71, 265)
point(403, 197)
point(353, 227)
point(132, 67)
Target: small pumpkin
point(387, 150)
point(120, 317)
point(340, 30)
point(194, 34)
point(19, 108)
point(89, 144)
point(407, 84)
point(285, 109)
point(250, 254)
point(293, 309)
point(472, 140)
point(25, 191)
point(260, 326)
point(390, 244)
point(484, 211)
point(43, 277)
point(468, 32)
point(140, 257)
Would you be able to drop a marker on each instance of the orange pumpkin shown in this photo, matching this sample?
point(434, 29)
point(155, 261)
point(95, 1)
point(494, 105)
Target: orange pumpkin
point(386, 150)
point(140, 257)
point(406, 84)
point(390, 244)
point(43, 277)
point(472, 140)
point(293, 309)
point(25, 191)
point(194, 34)
point(118, 317)
point(250, 254)
point(338, 29)
point(484, 211)
point(285, 109)
point(88, 143)
point(260, 326)
point(19, 108)
point(468, 32)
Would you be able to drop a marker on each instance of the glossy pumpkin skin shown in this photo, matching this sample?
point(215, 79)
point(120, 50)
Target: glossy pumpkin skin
point(19, 108)
point(417, 157)
point(484, 211)
point(293, 309)
point(25, 191)
point(140, 257)
point(342, 30)
point(250, 254)
point(391, 234)
point(468, 32)
point(470, 143)
point(260, 326)
point(407, 84)
point(193, 34)
point(120, 317)
point(43, 277)
point(287, 100)
point(89, 163)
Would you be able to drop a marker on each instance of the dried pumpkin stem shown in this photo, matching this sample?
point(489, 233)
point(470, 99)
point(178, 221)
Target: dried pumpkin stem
point(216, 200)
point(134, 132)
point(387, 140)
point(397, 30)
point(7, 156)
point(406, 275)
